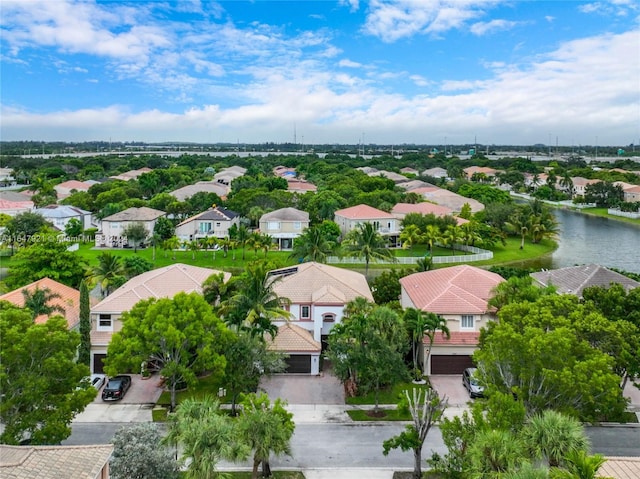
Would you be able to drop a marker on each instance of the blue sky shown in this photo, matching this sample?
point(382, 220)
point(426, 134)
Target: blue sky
point(383, 71)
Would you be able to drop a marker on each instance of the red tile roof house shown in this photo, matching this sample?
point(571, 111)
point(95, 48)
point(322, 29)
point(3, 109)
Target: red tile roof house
point(460, 295)
point(159, 283)
point(385, 223)
point(69, 300)
point(318, 295)
point(66, 188)
point(401, 210)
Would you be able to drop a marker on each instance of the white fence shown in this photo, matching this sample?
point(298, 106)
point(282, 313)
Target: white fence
point(627, 214)
point(478, 255)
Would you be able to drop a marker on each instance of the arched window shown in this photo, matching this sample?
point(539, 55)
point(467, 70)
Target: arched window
point(328, 318)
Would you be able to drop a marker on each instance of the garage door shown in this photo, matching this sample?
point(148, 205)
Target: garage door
point(450, 364)
point(98, 363)
point(300, 363)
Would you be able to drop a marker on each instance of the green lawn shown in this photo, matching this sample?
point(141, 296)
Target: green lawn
point(247, 474)
point(208, 385)
point(603, 212)
point(512, 253)
point(389, 395)
point(389, 415)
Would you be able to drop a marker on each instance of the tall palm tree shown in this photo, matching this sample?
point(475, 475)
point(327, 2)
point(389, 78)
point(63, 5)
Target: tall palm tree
point(452, 236)
point(519, 223)
point(312, 245)
point(410, 235)
point(255, 303)
point(242, 237)
point(431, 236)
point(365, 242)
point(38, 301)
point(266, 243)
point(109, 272)
point(193, 246)
point(422, 324)
point(172, 244)
point(566, 182)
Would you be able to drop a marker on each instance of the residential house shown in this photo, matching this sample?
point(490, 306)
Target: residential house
point(580, 184)
point(574, 279)
point(214, 222)
point(60, 215)
point(227, 175)
point(395, 177)
point(435, 172)
point(284, 172)
point(459, 294)
point(131, 174)
point(112, 227)
point(55, 462)
point(409, 170)
point(182, 194)
point(411, 185)
point(284, 225)
point(448, 198)
point(158, 283)
point(68, 300)
point(13, 203)
point(318, 295)
point(7, 177)
point(385, 223)
point(631, 193)
point(65, 189)
point(480, 173)
point(300, 186)
point(400, 210)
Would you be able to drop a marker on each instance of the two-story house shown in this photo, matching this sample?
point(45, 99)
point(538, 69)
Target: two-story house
point(112, 227)
point(214, 222)
point(158, 283)
point(60, 215)
point(284, 225)
point(384, 223)
point(459, 294)
point(318, 295)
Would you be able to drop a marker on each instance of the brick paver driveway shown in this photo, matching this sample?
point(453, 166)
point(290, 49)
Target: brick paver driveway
point(305, 389)
point(451, 386)
point(141, 391)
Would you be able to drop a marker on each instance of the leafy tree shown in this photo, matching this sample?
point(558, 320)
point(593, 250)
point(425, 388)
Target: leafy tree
point(45, 259)
point(313, 245)
point(579, 465)
point(73, 228)
point(517, 289)
point(136, 233)
point(138, 454)
point(22, 226)
point(519, 223)
point(135, 265)
point(494, 452)
point(425, 411)
point(386, 286)
point(109, 273)
point(248, 360)
point(164, 228)
point(485, 194)
point(266, 428)
point(254, 303)
point(206, 435)
point(365, 242)
point(604, 194)
point(181, 337)
point(39, 378)
point(84, 350)
point(38, 302)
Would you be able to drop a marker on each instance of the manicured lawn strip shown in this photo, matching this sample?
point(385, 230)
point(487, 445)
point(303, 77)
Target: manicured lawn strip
point(420, 250)
point(386, 396)
point(511, 253)
point(603, 212)
point(247, 474)
point(390, 415)
point(208, 385)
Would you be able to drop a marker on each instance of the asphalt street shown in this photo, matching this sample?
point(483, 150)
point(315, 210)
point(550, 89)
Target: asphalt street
point(360, 445)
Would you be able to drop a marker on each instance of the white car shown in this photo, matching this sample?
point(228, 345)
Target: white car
point(97, 380)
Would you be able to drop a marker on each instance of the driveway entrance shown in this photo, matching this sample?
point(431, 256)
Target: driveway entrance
point(450, 386)
point(305, 389)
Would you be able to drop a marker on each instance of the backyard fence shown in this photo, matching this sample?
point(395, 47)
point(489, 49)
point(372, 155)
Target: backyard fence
point(478, 254)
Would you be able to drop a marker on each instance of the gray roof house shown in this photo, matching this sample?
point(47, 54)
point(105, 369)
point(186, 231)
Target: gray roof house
point(284, 225)
point(213, 222)
point(574, 279)
point(60, 215)
point(112, 227)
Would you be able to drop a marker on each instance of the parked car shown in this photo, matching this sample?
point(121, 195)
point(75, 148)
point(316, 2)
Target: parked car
point(116, 388)
point(97, 380)
point(471, 383)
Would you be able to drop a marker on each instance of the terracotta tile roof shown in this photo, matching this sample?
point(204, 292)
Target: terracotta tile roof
point(101, 338)
point(390, 175)
point(435, 172)
point(459, 289)
point(54, 462)
point(293, 339)
point(286, 214)
point(420, 208)
point(136, 214)
point(188, 191)
point(73, 185)
point(363, 212)
point(480, 169)
point(580, 181)
point(131, 174)
point(620, 468)
point(425, 189)
point(573, 279)
point(12, 205)
point(159, 283)
point(451, 200)
point(69, 300)
point(328, 295)
point(413, 185)
point(302, 282)
point(456, 338)
point(300, 185)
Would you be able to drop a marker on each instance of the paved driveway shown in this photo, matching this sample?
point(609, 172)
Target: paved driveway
point(303, 389)
point(451, 386)
point(141, 391)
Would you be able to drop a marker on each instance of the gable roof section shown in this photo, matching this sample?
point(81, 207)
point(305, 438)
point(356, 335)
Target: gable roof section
point(61, 211)
point(72, 185)
point(302, 282)
point(293, 339)
point(456, 338)
point(53, 462)
point(188, 191)
point(459, 289)
point(69, 300)
point(159, 283)
point(421, 208)
point(136, 214)
point(286, 214)
point(574, 279)
point(363, 212)
point(214, 214)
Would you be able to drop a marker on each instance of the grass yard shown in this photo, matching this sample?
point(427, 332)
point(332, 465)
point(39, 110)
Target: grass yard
point(389, 415)
point(511, 253)
point(603, 212)
point(247, 474)
point(207, 386)
point(390, 395)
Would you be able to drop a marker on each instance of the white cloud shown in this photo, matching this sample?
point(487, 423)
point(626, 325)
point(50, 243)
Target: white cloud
point(483, 28)
point(419, 80)
point(349, 64)
point(620, 8)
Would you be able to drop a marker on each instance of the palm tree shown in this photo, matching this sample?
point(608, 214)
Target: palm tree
point(365, 242)
point(551, 436)
point(494, 452)
point(420, 325)
point(470, 235)
point(172, 244)
point(579, 465)
point(255, 303)
point(242, 237)
point(38, 301)
point(108, 273)
point(410, 235)
point(266, 243)
point(312, 245)
point(566, 182)
point(519, 223)
point(193, 246)
point(254, 242)
point(358, 306)
point(451, 236)
point(431, 236)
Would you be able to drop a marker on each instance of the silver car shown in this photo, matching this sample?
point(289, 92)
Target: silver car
point(471, 383)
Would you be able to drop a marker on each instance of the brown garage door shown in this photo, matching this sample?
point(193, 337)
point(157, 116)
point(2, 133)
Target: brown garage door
point(450, 364)
point(299, 363)
point(98, 363)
